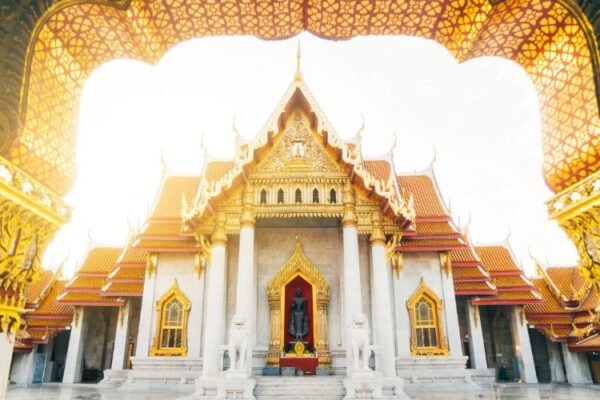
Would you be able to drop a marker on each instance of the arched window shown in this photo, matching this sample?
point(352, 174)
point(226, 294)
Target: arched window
point(315, 196)
point(332, 196)
point(280, 196)
point(298, 196)
point(425, 324)
point(263, 196)
point(171, 328)
point(425, 309)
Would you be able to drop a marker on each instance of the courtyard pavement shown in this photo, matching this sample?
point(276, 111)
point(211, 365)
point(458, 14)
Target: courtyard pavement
point(503, 391)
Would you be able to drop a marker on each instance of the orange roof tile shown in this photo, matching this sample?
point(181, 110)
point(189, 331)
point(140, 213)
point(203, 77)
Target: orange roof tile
point(100, 260)
point(215, 170)
point(497, 259)
point(510, 297)
point(473, 288)
point(49, 306)
point(549, 305)
point(416, 244)
point(427, 200)
point(132, 255)
point(80, 283)
point(127, 274)
point(168, 229)
point(123, 289)
point(435, 229)
point(380, 169)
point(465, 256)
point(185, 244)
point(569, 281)
point(591, 343)
point(469, 274)
point(168, 205)
point(89, 299)
point(512, 281)
point(36, 289)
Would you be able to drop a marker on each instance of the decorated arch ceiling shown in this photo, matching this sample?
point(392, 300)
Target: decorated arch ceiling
point(48, 48)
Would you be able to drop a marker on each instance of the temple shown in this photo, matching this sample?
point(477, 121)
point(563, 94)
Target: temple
point(394, 296)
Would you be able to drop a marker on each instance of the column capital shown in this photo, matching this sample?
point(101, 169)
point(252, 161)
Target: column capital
point(219, 236)
point(349, 218)
point(247, 217)
point(377, 234)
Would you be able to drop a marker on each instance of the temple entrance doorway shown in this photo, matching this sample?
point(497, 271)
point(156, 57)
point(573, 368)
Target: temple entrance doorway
point(298, 301)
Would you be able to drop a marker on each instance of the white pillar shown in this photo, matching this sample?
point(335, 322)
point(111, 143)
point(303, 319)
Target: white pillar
point(244, 304)
point(352, 287)
point(215, 302)
point(522, 345)
point(403, 332)
point(577, 366)
point(121, 346)
point(7, 344)
point(49, 363)
point(147, 311)
point(383, 330)
point(450, 311)
point(476, 344)
point(74, 361)
point(557, 372)
point(23, 366)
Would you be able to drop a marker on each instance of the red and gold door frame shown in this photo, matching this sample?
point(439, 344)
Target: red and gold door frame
point(298, 270)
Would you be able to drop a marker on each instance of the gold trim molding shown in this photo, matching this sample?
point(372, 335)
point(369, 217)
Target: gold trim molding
point(425, 291)
point(173, 293)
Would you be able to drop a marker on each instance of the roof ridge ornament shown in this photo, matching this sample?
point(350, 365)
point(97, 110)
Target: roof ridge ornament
point(298, 76)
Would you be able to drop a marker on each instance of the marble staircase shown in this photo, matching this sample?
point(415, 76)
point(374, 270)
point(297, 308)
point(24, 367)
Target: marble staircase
point(299, 388)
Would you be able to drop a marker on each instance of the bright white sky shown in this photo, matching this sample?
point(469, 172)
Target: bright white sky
point(481, 117)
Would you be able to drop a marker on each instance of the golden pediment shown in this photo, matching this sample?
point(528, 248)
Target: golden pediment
point(298, 151)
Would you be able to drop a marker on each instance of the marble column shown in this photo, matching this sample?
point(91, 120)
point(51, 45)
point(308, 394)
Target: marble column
point(245, 304)
point(476, 343)
point(352, 287)
point(215, 301)
point(522, 345)
point(383, 329)
point(121, 345)
point(147, 311)
point(450, 311)
point(74, 361)
point(577, 366)
point(7, 344)
point(557, 372)
point(23, 366)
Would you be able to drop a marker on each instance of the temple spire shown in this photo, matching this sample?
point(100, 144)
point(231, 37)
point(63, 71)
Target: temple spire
point(298, 76)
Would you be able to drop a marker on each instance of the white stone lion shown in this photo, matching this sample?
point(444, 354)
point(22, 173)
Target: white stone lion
point(361, 348)
point(238, 343)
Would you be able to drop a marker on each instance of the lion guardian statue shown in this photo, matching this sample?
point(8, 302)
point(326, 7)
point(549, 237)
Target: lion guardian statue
point(238, 343)
point(361, 348)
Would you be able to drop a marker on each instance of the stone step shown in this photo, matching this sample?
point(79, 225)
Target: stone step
point(299, 388)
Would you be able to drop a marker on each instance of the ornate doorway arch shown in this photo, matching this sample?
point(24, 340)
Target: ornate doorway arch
point(298, 266)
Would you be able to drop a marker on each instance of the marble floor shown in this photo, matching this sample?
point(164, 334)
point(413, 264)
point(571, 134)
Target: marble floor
point(504, 392)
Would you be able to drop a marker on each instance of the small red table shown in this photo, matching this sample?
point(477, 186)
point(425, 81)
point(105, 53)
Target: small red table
point(306, 364)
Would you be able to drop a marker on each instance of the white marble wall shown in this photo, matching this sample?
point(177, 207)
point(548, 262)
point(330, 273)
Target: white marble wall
point(323, 247)
point(414, 267)
point(181, 267)
point(577, 366)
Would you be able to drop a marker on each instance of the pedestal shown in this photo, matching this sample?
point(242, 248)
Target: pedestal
point(233, 385)
point(306, 364)
point(370, 385)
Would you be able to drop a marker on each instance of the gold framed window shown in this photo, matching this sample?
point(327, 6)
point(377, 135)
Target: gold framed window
point(171, 329)
point(425, 309)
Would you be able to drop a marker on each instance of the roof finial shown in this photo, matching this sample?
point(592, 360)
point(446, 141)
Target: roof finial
point(298, 76)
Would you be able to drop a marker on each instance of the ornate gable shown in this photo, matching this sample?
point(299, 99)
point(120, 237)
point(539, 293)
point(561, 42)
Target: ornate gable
point(298, 151)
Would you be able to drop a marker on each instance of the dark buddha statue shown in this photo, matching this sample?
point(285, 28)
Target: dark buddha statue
point(298, 316)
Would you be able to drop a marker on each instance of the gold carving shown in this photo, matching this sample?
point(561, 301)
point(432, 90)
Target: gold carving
point(170, 338)
point(377, 235)
point(247, 217)
point(475, 315)
point(577, 210)
point(446, 263)
point(219, 235)
point(349, 218)
point(426, 297)
point(298, 265)
point(394, 257)
point(151, 264)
